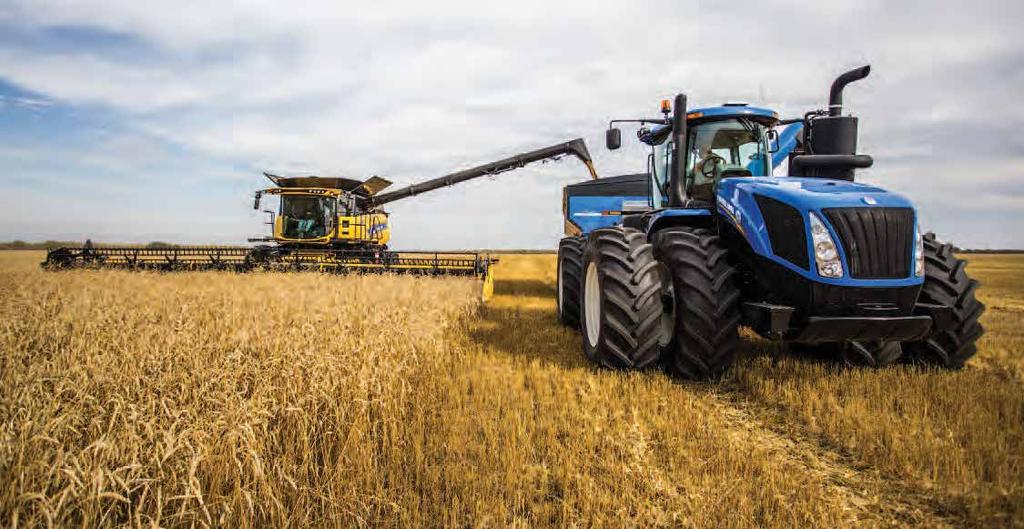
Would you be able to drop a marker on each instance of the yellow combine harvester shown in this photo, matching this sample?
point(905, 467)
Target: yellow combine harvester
point(322, 223)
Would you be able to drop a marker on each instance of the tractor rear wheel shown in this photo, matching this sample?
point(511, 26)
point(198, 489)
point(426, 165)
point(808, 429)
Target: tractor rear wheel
point(621, 299)
point(569, 280)
point(706, 302)
point(946, 283)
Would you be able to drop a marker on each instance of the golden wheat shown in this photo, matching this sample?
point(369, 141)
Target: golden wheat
point(217, 399)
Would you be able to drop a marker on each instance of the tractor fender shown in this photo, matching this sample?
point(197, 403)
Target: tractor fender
point(686, 217)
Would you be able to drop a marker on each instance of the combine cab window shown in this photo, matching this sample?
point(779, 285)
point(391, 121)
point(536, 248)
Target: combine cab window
point(307, 216)
point(718, 149)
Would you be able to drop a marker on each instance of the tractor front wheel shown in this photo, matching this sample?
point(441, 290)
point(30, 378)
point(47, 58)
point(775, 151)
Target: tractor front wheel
point(946, 283)
point(706, 302)
point(621, 299)
point(569, 280)
point(853, 353)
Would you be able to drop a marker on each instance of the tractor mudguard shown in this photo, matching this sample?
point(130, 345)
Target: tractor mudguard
point(690, 217)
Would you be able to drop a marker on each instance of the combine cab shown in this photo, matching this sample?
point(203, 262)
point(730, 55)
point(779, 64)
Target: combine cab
point(814, 259)
point(322, 223)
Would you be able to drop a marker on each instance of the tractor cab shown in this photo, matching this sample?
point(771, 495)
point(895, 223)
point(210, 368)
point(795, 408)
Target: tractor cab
point(733, 140)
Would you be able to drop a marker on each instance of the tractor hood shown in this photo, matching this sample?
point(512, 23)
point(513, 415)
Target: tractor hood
point(810, 193)
point(760, 206)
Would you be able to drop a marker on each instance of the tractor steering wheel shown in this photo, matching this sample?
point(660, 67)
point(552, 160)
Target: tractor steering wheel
point(710, 164)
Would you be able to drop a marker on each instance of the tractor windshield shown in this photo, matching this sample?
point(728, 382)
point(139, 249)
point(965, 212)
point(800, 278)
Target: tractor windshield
point(307, 216)
point(718, 149)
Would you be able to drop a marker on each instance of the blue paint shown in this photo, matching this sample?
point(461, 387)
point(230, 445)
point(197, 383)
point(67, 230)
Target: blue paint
point(757, 166)
point(732, 112)
point(675, 217)
point(587, 212)
point(786, 143)
point(737, 205)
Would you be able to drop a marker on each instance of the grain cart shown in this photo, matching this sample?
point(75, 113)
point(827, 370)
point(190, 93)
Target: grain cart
point(814, 258)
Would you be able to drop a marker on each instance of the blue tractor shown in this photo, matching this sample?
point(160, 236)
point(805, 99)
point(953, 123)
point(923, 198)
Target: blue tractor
point(665, 266)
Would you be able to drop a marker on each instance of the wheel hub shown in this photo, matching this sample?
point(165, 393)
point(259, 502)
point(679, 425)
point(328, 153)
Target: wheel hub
point(592, 305)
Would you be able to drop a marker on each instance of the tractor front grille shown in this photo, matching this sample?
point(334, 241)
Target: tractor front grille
point(786, 230)
point(879, 242)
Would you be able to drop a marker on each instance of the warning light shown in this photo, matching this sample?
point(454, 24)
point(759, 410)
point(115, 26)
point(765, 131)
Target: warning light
point(666, 106)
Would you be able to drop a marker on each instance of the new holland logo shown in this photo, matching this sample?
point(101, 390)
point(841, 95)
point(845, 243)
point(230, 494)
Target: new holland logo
point(869, 201)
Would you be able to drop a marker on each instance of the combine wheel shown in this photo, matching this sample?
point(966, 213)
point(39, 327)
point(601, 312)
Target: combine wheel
point(706, 302)
point(946, 282)
point(621, 299)
point(570, 271)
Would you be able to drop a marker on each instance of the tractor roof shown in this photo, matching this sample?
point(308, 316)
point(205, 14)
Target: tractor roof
point(699, 115)
point(368, 187)
point(733, 110)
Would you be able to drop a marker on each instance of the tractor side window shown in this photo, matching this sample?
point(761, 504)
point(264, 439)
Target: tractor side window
point(660, 167)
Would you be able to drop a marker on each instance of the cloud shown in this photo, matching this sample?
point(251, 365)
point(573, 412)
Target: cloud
point(413, 90)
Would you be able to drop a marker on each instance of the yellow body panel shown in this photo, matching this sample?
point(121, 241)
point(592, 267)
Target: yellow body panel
point(487, 289)
point(366, 228)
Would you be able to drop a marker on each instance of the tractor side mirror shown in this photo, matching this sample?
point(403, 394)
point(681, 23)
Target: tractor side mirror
point(270, 214)
point(613, 138)
point(773, 141)
point(256, 203)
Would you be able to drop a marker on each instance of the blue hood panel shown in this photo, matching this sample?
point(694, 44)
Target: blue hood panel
point(813, 193)
point(737, 204)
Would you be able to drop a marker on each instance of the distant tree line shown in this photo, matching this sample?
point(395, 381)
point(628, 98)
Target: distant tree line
point(49, 245)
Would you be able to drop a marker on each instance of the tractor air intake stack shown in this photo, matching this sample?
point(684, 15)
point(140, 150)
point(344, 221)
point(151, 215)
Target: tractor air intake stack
point(830, 139)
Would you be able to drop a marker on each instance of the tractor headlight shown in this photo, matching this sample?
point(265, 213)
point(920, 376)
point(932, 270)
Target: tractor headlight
point(826, 252)
point(918, 253)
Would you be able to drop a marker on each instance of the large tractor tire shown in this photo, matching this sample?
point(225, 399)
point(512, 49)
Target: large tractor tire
point(946, 282)
point(570, 280)
point(706, 302)
point(621, 299)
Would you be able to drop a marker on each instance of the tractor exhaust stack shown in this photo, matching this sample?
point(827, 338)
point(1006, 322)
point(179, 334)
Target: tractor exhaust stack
point(835, 94)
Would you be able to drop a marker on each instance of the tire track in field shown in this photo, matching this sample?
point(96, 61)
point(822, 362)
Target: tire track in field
point(862, 487)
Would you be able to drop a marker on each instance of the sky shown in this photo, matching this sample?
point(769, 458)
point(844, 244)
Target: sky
point(140, 121)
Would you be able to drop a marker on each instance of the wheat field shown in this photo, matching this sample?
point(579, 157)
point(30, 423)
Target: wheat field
point(291, 400)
